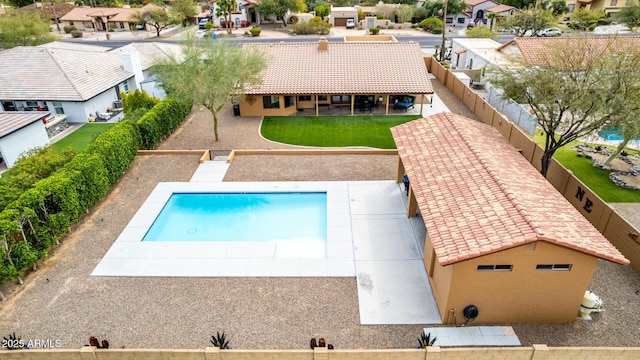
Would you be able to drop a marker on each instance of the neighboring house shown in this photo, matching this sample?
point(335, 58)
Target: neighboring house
point(73, 79)
point(246, 14)
point(609, 6)
point(474, 54)
point(48, 9)
point(339, 15)
point(306, 76)
point(21, 131)
point(103, 19)
point(499, 236)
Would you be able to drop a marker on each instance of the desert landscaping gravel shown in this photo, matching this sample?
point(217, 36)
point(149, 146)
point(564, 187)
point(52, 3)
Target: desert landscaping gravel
point(62, 301)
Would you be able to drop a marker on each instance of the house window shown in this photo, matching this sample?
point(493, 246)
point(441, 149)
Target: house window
point(495, 267)
point(88, 24)
point(70, 23)
point(125, 85)
point(614, 2)
point(304, 98)
point(322, 97)
point(121, 25)
point(289, 101)
point(32, 106)
point(271, 102)
point(58, 106)
point(9, 106)
point(558, 267)
point(571, 7)
point(341, 99)
point(461, 20)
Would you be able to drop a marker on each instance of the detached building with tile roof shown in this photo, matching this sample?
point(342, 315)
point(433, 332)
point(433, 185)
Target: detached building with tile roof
point(21, 131)
point(499, 235)
point(76, 82)
point(307, 76)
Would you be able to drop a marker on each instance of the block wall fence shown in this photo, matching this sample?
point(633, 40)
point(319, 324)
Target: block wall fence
point(535, 352)
point(617, 230)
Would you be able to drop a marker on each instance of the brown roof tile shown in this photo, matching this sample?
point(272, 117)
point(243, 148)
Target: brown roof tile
point(478, 195)
point(345, 68)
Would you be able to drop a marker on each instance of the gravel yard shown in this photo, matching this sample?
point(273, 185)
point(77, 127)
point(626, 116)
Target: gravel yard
point(62, 301)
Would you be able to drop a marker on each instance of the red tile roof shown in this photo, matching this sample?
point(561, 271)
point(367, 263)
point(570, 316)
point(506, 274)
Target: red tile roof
point(345, 68)
point(541, 51)
point(500, 8)
point(478, 195)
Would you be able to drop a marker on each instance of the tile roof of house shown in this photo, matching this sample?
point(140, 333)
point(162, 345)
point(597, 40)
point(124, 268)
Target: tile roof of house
point(345, 68)
point(500, 8)
point(478, 195)
point(114, 14)
point(60, 74)
point(478, 2)
point(541, 50)
point(11, 121)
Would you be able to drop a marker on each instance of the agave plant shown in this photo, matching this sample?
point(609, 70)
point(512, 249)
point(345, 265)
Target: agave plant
point(220, 341)
point(13, 342)
point(426, 340)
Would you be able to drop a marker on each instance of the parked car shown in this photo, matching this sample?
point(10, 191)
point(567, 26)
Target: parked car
point(202, 23)
point(351, 24)
point(470, 24)
point(549, 32)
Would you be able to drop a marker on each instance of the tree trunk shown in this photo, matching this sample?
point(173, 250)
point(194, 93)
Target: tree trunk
point(215, 122)
point(2, 298)
point(284, 22)
point(545, 161)
point(55, 17)
point(617, 151)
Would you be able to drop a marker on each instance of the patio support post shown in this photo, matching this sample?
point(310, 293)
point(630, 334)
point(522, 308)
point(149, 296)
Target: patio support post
point(400, 173)
point(422, 102)
point(316, 105)
point(352, 102)
point(412, 205)
point(386, 105)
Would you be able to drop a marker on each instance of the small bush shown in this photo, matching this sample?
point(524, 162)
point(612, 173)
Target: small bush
point(68, 29)
point(76, 34)
point(374, 31)
point(208, 25)
point(255, 31)
point(432, 25)
point(312, 27)
point(391, 27)
point(481, 32)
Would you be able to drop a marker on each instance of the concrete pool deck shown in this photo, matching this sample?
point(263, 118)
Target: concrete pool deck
point(368, 236)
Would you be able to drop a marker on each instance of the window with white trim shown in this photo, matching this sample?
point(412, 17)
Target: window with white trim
point(495, 267)
point(556, 267)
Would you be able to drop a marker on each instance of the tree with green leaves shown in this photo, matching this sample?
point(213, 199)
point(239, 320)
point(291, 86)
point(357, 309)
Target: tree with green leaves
point(19, 28)
point(213, 74)
point(624, 68)
point(434, 7)
point(575, 87)
point(520, 4)
point(157, 18)
point(405, 13)
point(323, 10)
point(279, 8)
point(585, 19)
point(558, 7)
point(183, 10)
point(530, 20)
point(224, 10)
point(630, 15)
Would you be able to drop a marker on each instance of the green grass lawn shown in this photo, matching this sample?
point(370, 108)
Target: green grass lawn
point(82, 137)
point(334, 131)
point(595, 178)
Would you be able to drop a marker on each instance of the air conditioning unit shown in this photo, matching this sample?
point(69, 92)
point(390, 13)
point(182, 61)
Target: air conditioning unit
point(117, 104)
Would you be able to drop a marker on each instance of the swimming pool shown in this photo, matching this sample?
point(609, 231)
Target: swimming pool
point(612, 133)
point(241, 217)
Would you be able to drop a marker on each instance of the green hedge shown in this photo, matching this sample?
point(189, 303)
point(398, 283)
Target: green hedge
point(45, 212)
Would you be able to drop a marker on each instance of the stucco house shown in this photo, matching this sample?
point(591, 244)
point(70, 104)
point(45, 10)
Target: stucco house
point(21, 131)
point(103, 19)
point(499, 236)
point(78, 81)
point(302, 77)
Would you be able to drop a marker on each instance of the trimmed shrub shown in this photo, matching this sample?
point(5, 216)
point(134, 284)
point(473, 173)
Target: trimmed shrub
point(69, 28)
point(138, 99)
point(161, 121)
point(374, 31)
point(313, 26)
point(481, 32)
point(432, 25)
point(76, 34)
point(255, 31)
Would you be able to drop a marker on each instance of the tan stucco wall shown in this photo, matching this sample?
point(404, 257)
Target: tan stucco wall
point(523, 295)
point(439, 278)
point(247, 108)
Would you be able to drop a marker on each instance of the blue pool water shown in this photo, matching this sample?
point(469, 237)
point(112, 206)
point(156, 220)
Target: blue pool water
point(612, 133)
point(241, 217)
